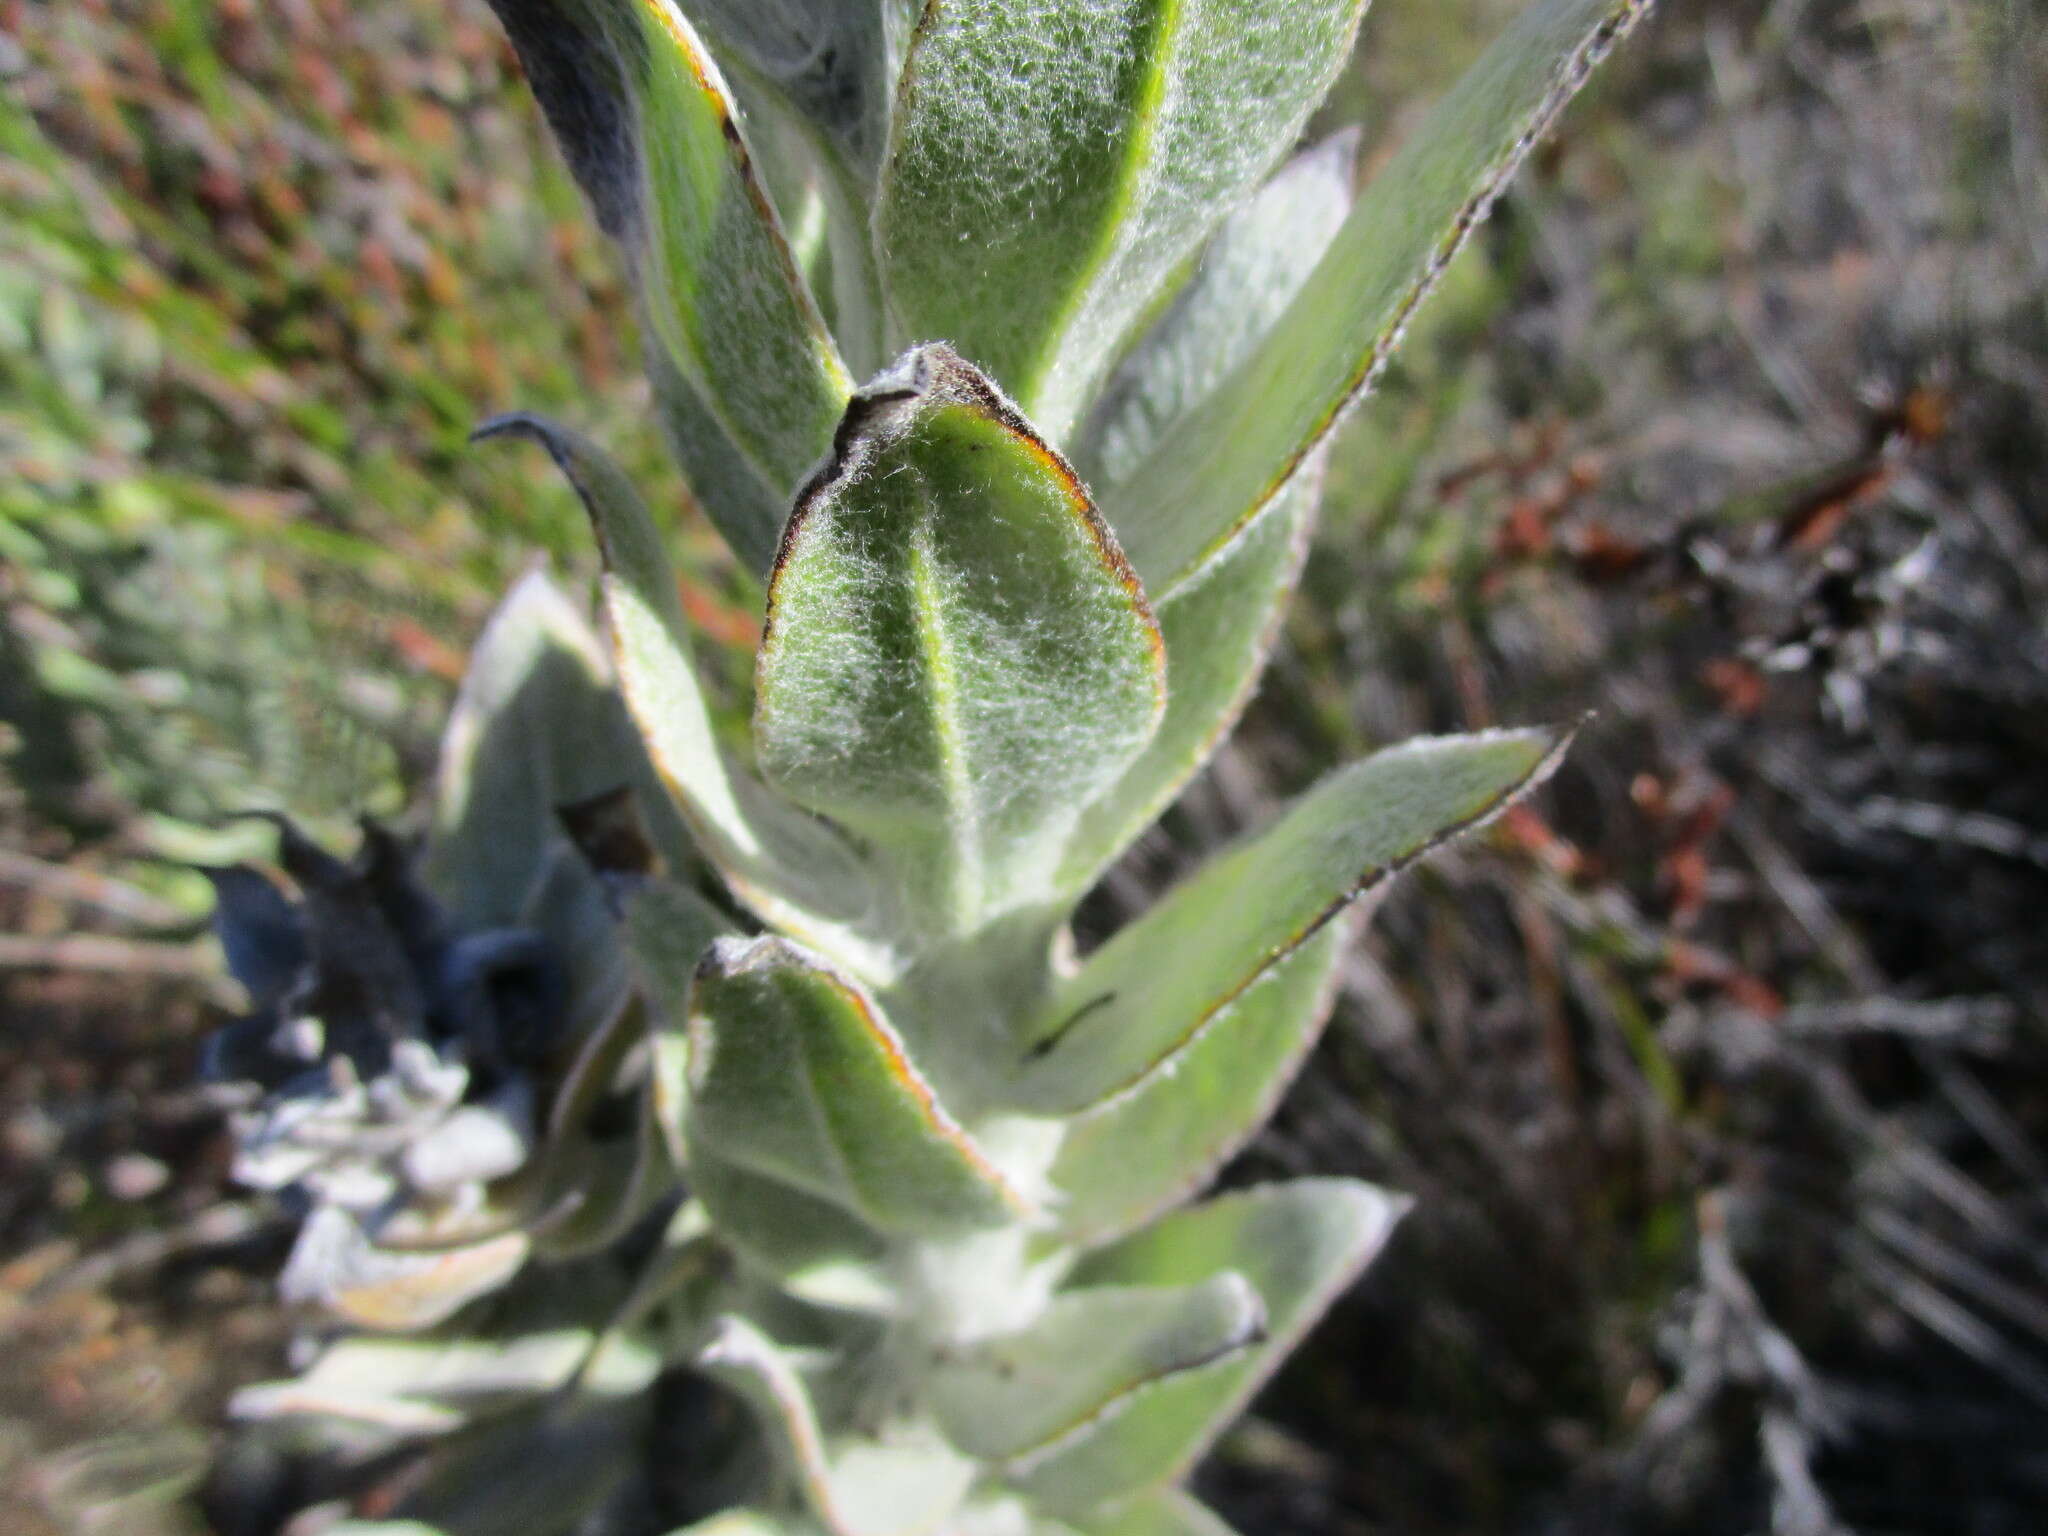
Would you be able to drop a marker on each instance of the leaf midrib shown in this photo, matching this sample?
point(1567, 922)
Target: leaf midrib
point(1149, 108)
point(967, 877)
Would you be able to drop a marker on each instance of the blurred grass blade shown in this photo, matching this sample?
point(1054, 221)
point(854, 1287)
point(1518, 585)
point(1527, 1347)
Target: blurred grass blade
point(796, 1076)
point(1021, 1396)
point(1051, 165)
point(1149, 1150)
point(1132, 1011)
point(1300, 1244)
point(1220, 465)
point(957, 658)
point(651, 131)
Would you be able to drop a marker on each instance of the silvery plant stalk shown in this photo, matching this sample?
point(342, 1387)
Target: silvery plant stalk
point(730, 1140)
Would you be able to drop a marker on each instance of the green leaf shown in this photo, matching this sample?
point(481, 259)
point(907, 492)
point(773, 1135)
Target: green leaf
point(957, 657)
point(431, 1386)
point(815, 1249)
point(668, 929)
point(1249, 273)
point(541, 1470)
point(829, 59)
point(651, 132)
point(1218, 628)
point(536, 724)
point(900, 1483)
point(1300, 1244)
point(1022, 1396)
point(765, 847)
point(1004, 1514)
point(1209, 476)
point(825, 197)
point(1145, 1152)
point(796, 1076)
point(744, 1522)
point(376, 1285)
point(603, 1172)
point(1164, 1512)
point(1159, 984)
point(1051, 166)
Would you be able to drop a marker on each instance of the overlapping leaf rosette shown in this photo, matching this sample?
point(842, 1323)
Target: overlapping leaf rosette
point(848, 1130)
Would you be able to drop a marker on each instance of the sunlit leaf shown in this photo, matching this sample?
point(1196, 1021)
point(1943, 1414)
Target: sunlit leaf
point(1147, 1151)
point(828, 57)
point(1022, 1396)
point(1209, 476)
point(957, 657)
point(1249, 273)
point(1154, 988)
point(767, 849)
point(816, 1249)
point(901, 1482)
point(651, 131)
point(429, 1386)
point(1165, 1512)
point(1052, 164)
point(337, 1266)
point(1217, 628)
point(1300, 1244)
point(795, 1076)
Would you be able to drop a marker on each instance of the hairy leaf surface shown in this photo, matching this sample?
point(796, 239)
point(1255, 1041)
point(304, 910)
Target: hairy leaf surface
point(1300, 1244)
point(957, 657)
point(819, 1251)
point(1025, 1395)
point(650, 129)
point(1208, 477)
point(1249, 273)
point(1154, 988)
point(766, 848)
point(1218, 628)
point(1053, 162)
point(1147, 1151)
point(903, 1485)
point(829, 58)
point(796, 1076)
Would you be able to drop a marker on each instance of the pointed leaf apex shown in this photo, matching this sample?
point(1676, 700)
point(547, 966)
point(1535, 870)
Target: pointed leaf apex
point(990, 659)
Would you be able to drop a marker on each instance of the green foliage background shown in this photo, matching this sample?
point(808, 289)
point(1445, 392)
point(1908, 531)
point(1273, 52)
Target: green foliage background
point(261, 270)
